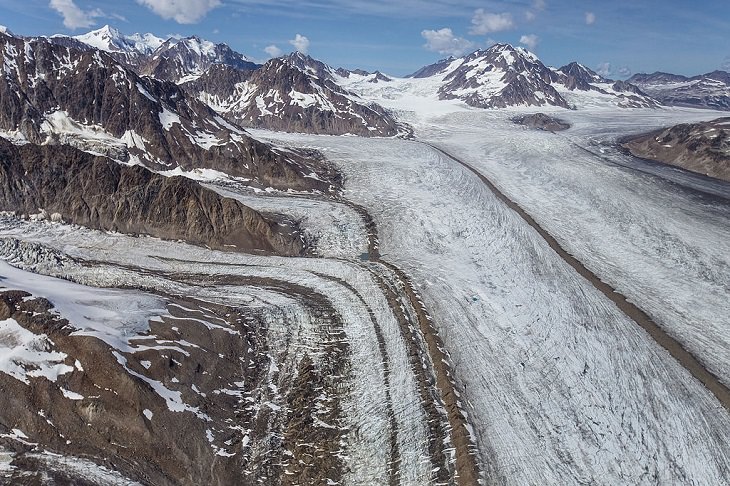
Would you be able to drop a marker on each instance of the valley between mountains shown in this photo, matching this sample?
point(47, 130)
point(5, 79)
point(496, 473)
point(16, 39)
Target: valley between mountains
point(214, 271)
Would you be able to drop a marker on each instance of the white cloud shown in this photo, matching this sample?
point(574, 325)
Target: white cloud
point(537, 5)
point(273, 51)
point(181, 11)
point(530, 40)
point(590, 18)
point(444, 41)
point(300, 43)
point(624, 71)
point(484, 22)
point(604, 69)
point(73, 16)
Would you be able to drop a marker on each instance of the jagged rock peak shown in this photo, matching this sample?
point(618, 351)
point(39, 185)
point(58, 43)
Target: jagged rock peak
point(500, 76)
point(180, 60)
point(308, 65)
point(579, 70)
point(577, 76)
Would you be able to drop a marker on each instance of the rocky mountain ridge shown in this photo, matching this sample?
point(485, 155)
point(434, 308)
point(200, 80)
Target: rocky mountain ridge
point(215, 73)
point(98, 193)
point(291, 93)
point(51, 94)
point(179, 60)
point(171, 59)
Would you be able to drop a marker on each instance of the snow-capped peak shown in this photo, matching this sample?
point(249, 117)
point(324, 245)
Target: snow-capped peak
point(5, 30)
point(106, 39)
point(145, 43)
point(110, 39)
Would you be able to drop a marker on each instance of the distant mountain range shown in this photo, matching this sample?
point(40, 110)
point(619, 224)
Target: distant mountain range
point(711, 90)
point(299, 93)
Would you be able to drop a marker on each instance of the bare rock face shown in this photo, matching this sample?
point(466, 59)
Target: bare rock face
point(99, 193)
point(54, 94)
point(109, 407)
point(711, 90)
point(700, 147)
point(295, 93)
point(541, 121)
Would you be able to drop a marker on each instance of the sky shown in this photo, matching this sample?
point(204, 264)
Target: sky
point(615, 38)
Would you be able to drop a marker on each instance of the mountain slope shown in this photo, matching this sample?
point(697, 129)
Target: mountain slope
point(702, 147)
point(711, 90)
point(98, 193)
point(52, 94)
point(293, 93)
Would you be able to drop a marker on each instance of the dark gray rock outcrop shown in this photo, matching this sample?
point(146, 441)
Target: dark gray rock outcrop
point(541, 121)
point(98, 193)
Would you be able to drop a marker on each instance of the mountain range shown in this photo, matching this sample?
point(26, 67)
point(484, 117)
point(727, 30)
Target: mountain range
point(503, 76)
point(710, 90)
point(298, 93)
point(181, 106)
